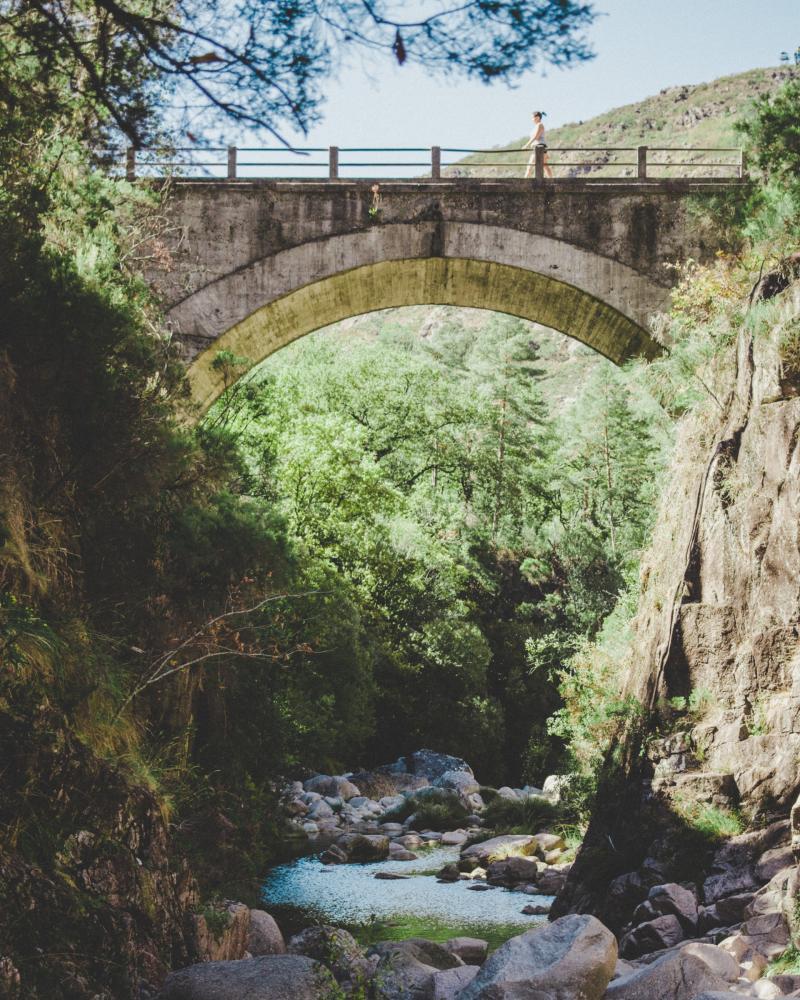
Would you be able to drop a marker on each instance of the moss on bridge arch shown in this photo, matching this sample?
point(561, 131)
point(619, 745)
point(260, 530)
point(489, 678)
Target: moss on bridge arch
point(427, 281)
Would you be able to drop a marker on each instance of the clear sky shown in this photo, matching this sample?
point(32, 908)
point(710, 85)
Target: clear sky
point(641, 46)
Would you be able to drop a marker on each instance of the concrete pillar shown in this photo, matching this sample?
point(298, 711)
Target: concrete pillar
point(538, 162)
point(742, 164)
point(641, 161)
point(436, 163)
point(130, 164)
point(333, 162)
point(231, 162)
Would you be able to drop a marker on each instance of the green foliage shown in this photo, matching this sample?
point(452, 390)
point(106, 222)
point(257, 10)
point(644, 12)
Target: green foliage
point(773, 130)
point(533, 814)
point(438, 809)
point(786, 964)
point(713, 823)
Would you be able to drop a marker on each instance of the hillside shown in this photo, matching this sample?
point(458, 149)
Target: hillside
point(700, 115)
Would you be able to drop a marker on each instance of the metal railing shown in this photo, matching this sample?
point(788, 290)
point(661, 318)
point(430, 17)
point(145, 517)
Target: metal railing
point(601, 163)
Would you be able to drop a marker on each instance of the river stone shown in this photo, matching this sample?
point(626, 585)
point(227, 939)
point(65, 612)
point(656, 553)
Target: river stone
point(454, 838)
point(462, 782)
point(552, 881)
point(549, 842)
point(673, 898)
point(570, 958)
point(473, 951)
point(406, 969)
point(653, 935)
point(270, 977)
point(499, 848)
point(331, 785)
point(264, 936)
point(448, 984)
point(335, 948)
point(364, 847)
point(431, 765)
point(679, 975)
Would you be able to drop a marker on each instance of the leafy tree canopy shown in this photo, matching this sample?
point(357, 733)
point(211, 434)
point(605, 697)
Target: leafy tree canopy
point(133, 64)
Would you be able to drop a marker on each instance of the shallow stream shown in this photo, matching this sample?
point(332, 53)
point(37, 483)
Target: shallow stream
point(305, 891)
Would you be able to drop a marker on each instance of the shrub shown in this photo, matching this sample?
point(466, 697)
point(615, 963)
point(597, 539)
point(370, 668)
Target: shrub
point(437, 809)
point(528, 815)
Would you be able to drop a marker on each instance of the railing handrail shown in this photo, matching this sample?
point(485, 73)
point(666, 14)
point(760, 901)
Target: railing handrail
point(164, 158)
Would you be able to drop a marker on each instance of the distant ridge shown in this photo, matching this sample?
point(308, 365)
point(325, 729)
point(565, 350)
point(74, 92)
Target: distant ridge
point(696, 115)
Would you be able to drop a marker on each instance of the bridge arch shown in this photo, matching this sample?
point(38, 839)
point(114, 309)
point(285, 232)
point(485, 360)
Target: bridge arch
point(258, 309)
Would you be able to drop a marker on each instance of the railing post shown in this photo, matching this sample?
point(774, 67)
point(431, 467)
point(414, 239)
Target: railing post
point(231, 163)
point(742, 164)
point(538, 162)
point(436, 163)
point(333, 162)
point(130, 164)
point(641, 162)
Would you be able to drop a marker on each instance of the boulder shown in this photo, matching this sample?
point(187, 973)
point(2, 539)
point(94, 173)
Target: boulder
point(768, 934)
point(449, 873)
point(731, 909)
point(409, 840)
point(552, 881)
point(398, 853)
point(675, 899)
point(773, 862)
point(320, 810)
point(264, 936)
point(554, 786)
point(720, 962)
point(462, 782)
point(679, 975)
point(448, 984)
point(521, 870)
point(661, 932)
point(572, 957)
point(363, 847)
point(454, 838)
point(332, 785)
point(405, 969)
point(535, 909)
point(333, 855)
point(549, 842)
point(431, 765)
point(270, 977)
point(473, 951)
point(499, 848)
point(335, 948)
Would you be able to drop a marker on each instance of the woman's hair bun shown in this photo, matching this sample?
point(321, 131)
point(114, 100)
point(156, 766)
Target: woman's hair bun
point(541, 114)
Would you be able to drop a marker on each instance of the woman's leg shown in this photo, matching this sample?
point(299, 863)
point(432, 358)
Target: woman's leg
point(531, 161)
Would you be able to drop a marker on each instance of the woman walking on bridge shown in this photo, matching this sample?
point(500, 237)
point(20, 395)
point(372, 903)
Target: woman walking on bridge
point(537, 139)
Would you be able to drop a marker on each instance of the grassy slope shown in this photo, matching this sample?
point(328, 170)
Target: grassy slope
point(701, 115)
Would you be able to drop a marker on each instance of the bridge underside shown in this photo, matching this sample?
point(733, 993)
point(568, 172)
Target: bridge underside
point(437, 280)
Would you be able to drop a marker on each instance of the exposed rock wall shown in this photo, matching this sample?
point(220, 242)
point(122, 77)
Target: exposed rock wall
point(91, 905)
point(720, 619)
point(718, 628)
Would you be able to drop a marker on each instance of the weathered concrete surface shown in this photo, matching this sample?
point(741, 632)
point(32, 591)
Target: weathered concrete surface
point(256, 264)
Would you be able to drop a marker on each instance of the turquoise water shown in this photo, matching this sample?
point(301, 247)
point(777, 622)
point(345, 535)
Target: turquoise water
point(350, 895)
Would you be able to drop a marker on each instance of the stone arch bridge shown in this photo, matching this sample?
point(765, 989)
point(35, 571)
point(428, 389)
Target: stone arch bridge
point(255, 264)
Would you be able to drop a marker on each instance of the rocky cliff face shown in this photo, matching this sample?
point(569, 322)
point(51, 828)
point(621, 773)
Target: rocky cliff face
point(719, 624)
point(716, 653)
point(91, 906)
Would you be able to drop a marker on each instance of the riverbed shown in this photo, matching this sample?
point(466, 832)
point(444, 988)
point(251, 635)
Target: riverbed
point(305, 891)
